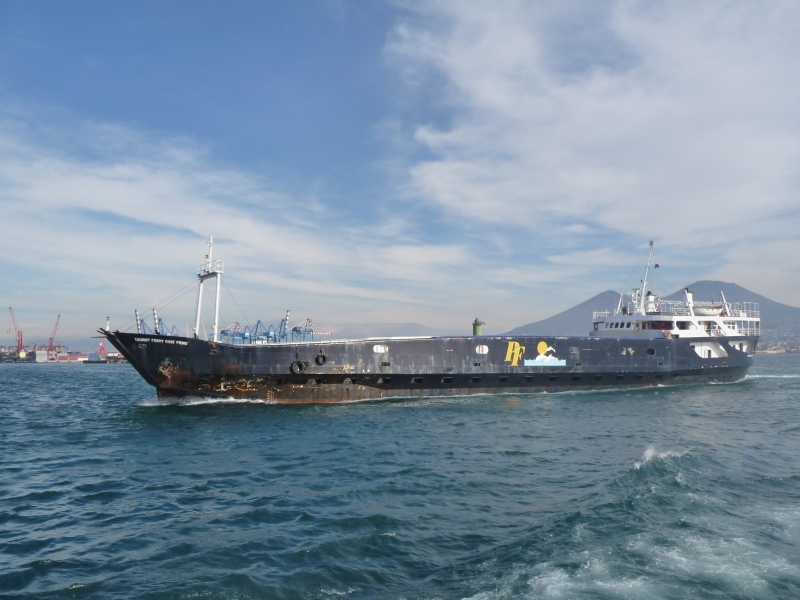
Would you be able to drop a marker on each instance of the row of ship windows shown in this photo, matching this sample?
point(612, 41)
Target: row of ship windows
point(733, 325)
point(618, 325)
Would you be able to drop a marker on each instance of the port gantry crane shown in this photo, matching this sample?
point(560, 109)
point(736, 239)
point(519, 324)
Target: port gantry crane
point(17, 333)
point(51, 345)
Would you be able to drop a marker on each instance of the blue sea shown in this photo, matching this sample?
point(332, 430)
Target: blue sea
point(670, 492)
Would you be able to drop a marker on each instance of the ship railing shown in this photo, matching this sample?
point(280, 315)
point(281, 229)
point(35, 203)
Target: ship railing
point(599, 314)
point(668, 307)
point(746, 309)
point(214, 266)
point(748, 327)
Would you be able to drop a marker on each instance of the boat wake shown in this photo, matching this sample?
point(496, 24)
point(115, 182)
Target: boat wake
point(200, 401)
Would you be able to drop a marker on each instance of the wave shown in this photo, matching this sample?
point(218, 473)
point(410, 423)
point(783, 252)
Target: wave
point(772, 376)
point(651, 454)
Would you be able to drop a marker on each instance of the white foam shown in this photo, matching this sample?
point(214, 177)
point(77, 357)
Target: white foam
point(347, 592)
point(201, 400)
point(651, 454)
point(772, 376)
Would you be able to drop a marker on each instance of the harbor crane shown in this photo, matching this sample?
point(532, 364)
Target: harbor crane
point(51, 345)
point(17, 333)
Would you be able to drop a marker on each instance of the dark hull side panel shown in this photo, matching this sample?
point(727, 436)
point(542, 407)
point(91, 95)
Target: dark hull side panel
point(421, 367)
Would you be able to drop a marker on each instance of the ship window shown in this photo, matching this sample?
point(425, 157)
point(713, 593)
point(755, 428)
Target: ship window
point(619, 377)
point(553, 378)
point(598, 377)
point(576, 378)
point(476, 364)
point(708, 353)
point(628, 326)
point(608, 325)
point(447, 380)
point(416, 380)
point(385, 364)
point(384, 380)
point(651, 352)
point(596, 326)
point(528, 378)
point(616, 325)
point(475, 380)
point(502, 378)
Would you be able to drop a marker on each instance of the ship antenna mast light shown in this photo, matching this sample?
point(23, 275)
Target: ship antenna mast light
point(211, 268)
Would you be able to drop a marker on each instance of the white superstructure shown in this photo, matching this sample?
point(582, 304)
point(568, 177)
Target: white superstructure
point(643, 314)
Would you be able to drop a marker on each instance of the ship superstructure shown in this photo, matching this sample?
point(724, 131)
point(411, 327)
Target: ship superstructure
point(646, 341)
point(642, 314)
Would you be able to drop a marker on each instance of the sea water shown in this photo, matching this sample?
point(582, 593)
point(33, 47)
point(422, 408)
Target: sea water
point(667, 492)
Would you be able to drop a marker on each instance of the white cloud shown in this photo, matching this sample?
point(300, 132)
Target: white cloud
point(676, 122)
point(532, 151)
point(118, 220)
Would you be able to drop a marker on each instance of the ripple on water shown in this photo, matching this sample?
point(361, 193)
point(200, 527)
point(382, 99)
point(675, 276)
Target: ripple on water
point(656, 493)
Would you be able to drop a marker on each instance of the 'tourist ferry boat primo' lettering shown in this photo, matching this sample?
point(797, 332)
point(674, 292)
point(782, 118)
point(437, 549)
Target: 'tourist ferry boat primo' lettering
point(645, 341)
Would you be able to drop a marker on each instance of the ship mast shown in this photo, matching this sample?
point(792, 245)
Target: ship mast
point(644, 281)
point(211, 268)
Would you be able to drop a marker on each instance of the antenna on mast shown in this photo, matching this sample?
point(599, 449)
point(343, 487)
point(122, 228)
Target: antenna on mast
point(644, 281)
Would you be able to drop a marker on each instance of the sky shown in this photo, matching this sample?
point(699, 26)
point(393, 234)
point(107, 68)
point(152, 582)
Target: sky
point(401, 161)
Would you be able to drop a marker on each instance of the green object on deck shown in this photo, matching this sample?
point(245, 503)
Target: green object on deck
point(476, 326)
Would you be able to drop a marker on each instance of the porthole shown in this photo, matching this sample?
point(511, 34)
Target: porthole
point(380, 349)
point(651, 352)
point(481, 349)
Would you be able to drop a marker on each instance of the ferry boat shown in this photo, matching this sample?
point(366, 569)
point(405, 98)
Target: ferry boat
point(645, 341)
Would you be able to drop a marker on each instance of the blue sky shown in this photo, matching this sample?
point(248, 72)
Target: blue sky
point(391, 161)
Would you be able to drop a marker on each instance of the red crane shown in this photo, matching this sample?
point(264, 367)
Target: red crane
point(51, 345)
point(17, 332)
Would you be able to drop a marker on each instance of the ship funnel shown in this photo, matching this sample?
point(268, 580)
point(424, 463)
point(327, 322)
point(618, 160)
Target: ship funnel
point(650, 303)
point(477, 326)
point(688, 300)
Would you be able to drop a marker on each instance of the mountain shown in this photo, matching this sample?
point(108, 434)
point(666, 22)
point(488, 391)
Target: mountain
point(777, 320)
point(573, 321)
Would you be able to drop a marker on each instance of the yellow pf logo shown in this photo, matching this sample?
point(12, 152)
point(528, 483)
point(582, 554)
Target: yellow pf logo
point(515, 352)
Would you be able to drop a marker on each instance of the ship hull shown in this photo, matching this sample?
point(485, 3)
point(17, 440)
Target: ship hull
point(373, 369)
